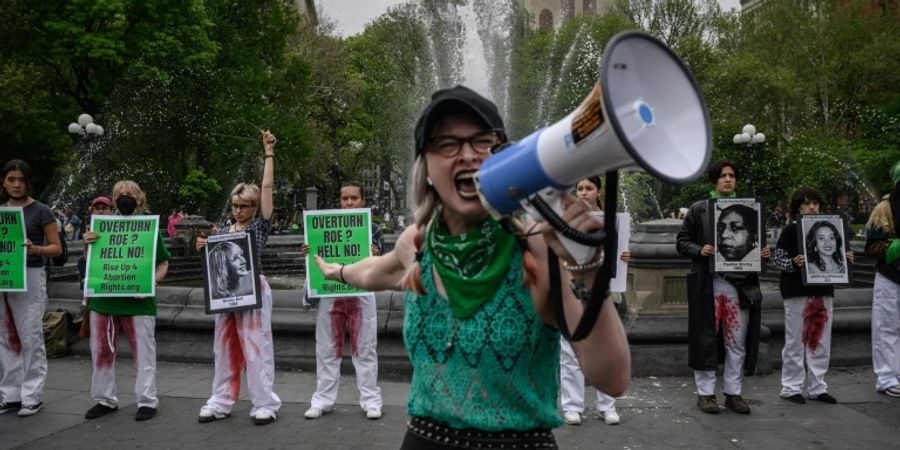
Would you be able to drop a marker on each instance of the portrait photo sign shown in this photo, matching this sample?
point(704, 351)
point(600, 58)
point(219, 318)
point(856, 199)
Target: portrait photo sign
point(823, 242)
point(342, 236)
point(122, 261)
point(230, 275)
point(12, 250)
point(738, 234)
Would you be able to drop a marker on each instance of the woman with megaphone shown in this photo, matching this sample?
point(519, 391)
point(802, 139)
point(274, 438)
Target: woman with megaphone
point(478, 327)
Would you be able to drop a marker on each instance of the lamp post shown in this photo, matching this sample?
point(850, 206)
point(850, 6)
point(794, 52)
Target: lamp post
point(86, 129)
point(747, 137)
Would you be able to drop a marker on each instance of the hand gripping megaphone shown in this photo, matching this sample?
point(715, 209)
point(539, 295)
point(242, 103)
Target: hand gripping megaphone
point(645, 112)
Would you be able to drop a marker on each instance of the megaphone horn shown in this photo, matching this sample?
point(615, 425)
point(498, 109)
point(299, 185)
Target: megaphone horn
point(645, 112)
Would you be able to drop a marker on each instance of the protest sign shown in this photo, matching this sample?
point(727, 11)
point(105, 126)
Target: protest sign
point(341, 236)
point(623, 227)
point(12, 250)
point(122, 262)
point(230, 274)
point(739, 234)
point(823, 244)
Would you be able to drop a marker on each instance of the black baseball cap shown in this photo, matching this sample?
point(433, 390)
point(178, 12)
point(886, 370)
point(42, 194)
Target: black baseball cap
point(459, 99)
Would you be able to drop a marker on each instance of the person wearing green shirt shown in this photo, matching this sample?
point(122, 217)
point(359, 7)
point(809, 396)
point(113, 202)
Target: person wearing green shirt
point(478, 325)
point(135, 316)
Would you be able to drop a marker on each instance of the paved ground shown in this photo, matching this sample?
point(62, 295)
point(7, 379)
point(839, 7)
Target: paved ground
point(656, 413)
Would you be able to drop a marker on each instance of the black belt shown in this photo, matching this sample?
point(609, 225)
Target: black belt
point(444, 435)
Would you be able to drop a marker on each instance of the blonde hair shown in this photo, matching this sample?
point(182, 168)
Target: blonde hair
point(422, 197)
point(218, 263)
point(881, 217)
point(136, 190)
point(248, 192)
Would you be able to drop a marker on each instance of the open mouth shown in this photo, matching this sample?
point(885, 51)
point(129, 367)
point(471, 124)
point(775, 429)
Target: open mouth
point(465, 185)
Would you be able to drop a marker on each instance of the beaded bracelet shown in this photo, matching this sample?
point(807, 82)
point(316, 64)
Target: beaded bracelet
point(582, 267)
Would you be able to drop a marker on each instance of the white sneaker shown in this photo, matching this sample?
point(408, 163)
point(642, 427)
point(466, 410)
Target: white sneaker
point(611, 417)
point(264, 418)
point(572, 417)
point(30, 410)
point(373, 414)
point(208, 414)
point(313, 413)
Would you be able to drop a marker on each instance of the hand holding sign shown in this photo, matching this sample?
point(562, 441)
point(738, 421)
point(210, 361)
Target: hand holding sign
point(336, 238)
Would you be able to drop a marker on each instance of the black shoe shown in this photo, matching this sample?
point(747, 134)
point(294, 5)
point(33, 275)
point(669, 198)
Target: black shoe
point(796, 398)
point(145, 413)
point(6, 407)
point(825, 398)
point(99, 410)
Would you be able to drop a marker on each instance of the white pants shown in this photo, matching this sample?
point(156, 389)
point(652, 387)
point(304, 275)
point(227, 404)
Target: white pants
point(571, 383)
point(139, 330)
point(731, 321)
point(23, 358)
point(244, 339)
point(807, 340)
point(356, 316)
point(886, 332)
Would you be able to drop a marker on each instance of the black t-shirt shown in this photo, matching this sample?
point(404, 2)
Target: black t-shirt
point(791, 283)
point(37, 215)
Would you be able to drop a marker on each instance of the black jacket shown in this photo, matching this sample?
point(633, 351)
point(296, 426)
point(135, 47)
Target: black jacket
point(706, 348)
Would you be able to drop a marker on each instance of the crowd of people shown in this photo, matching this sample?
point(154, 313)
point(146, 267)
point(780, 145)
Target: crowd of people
point(465, 272)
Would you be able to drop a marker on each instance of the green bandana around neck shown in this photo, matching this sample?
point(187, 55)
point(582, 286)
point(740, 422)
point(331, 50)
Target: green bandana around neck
point(714, 194)
point(472, 264)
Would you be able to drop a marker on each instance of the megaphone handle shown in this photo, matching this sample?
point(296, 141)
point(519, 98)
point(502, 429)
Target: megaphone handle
point(546, 211)
point(600, 288)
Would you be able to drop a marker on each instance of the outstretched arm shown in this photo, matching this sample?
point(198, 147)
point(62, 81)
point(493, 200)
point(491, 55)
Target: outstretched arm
point(376, 273)
point(265, 196)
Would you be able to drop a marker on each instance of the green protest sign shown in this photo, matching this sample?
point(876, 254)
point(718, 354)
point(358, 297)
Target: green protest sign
point(12, 250)
point(341, 236)
point(122, 262)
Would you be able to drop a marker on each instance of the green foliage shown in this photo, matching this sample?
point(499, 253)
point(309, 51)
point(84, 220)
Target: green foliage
point(197, 188)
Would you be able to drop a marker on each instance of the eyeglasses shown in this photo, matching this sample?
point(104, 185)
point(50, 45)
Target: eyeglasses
point(237, 206)
point(449, 146)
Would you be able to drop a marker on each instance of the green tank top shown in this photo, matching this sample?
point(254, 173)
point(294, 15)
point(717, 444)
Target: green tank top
point(497, 370)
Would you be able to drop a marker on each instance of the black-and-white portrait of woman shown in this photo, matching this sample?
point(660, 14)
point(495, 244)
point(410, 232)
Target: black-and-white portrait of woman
point(233, 277)
point(738, 236)
point(231, 282)
point(824, 249)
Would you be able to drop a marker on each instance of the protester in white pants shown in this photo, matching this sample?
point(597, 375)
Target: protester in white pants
point(883, 245)
point(243, 339)
point(23, 358)
point(886, 336)
point(571, 380)
point(732, 321)
point(135, 316)
point(571, 390)
point(105, 333)
point(808, 310)
point(356, 317)
point(720, 304)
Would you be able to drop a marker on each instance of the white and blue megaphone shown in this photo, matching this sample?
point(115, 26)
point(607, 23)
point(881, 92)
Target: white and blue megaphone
point(645, 112)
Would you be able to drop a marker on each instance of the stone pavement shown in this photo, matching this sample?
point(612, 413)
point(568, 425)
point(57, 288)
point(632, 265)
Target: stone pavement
point(656, 413)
